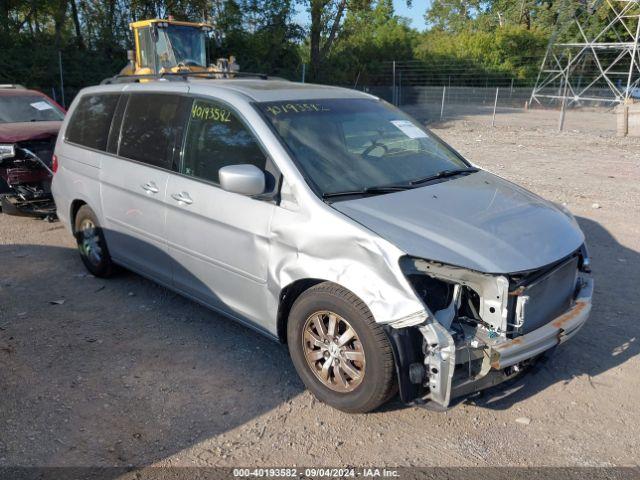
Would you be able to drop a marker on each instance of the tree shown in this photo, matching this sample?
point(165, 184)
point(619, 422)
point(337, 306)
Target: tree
point(326, 16)
point(371, 36)
point(453, 15)
point(261, 34)
point(327, 22)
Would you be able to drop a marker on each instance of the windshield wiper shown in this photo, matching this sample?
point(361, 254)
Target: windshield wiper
point(444, 174)
point(368, 191)
point(397, 188)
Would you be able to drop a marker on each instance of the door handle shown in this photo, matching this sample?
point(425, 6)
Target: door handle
point(182, 197)
point(150, 187)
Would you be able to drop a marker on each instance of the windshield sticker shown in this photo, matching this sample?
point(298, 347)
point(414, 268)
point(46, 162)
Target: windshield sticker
point(213, 114)
point(41, 106)
point(409, 129)
point(276, 110)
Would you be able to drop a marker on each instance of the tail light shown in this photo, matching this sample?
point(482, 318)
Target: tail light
point(54, 163)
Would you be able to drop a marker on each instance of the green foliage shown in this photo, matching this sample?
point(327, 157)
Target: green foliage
point(370, 38)
point(261, 35)
point(93, 37)
point(507, 52)
point(349, 42)
point(453, 15)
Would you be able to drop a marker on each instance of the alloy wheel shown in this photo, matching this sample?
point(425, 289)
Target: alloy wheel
point(90, 241)
point(333, 351)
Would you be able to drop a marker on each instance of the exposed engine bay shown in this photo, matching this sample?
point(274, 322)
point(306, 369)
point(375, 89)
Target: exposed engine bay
point(483, 328)
point(25, 179)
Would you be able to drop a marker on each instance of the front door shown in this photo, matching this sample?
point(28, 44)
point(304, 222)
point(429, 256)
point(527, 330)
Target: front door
point(219, 240)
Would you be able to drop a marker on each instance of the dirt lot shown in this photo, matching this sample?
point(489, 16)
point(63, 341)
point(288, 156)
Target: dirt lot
point(125, 372)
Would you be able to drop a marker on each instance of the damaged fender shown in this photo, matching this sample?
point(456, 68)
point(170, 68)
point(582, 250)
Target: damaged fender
point(320, 244)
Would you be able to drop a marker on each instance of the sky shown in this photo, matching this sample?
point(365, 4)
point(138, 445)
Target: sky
point(415, 13)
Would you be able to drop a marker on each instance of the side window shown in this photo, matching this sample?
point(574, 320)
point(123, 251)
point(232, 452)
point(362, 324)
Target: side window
point(89, 126)
point(146, 46)
point(216, 138)
point(149, 128)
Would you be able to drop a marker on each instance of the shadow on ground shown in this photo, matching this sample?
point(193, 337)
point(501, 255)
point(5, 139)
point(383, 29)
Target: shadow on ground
point(124, 372)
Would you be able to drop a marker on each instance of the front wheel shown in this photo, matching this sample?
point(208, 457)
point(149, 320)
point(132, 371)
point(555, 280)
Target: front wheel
point(341, 354)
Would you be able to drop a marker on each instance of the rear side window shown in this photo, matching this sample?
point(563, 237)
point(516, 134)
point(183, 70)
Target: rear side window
point(149, 128)
point(89, 126)
point(216, 138)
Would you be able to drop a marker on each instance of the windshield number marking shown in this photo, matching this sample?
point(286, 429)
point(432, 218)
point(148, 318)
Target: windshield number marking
point(276, 110)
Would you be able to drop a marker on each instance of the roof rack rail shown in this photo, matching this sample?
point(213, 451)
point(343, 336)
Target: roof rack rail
point(12, 85)
point(181, 76)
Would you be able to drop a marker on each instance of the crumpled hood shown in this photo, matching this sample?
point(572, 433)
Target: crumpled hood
point(479, 221)
point(19, 132)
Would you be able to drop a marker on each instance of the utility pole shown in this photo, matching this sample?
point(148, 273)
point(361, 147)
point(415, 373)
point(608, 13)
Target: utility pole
point(606, 55)
point(495, 105)
point(61, 78)
point(393, 84)
point(564, 99)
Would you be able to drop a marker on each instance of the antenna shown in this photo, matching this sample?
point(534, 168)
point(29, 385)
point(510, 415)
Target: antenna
point(584, 62)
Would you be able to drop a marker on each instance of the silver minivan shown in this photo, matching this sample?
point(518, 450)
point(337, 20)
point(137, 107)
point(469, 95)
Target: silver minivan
point(328, 220)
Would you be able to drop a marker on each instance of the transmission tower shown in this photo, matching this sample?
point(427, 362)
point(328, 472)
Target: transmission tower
point(586, 61)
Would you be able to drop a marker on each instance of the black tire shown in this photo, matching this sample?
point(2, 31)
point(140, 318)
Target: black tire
point(99, 265)
point(378, 383)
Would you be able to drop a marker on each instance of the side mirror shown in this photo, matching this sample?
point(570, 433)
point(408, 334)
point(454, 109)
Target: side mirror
point(245, 179)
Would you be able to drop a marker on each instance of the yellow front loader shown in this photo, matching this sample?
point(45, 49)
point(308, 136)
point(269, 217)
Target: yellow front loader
point(173, 47)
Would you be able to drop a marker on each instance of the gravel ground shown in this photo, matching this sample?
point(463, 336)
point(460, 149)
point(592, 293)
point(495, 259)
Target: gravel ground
point(124, 372)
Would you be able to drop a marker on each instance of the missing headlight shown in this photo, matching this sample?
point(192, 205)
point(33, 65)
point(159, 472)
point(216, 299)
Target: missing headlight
point(435, 294)
point(451, 292)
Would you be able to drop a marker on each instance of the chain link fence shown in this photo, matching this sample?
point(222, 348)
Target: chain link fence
point(498, 106)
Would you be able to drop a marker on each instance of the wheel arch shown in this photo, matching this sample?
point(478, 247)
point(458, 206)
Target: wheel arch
point(73, 211)
point(288, 295)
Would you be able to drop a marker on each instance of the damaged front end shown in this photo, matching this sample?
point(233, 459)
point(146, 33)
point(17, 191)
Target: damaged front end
point(25, 178)
point(483, 329)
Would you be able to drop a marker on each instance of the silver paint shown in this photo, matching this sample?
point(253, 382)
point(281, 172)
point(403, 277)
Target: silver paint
point(237, 254)
point(479, 221)
point(243, 179)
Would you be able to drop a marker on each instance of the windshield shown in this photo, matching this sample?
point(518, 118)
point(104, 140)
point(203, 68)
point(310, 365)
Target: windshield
point(28, 108)
point(187, 46)
point(358, 144)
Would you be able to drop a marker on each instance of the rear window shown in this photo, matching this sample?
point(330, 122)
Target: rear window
point(149, 128)
point(89, 126)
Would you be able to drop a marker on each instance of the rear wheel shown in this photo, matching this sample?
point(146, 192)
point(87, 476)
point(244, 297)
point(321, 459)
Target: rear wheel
point(341, 354)
point(91, 243)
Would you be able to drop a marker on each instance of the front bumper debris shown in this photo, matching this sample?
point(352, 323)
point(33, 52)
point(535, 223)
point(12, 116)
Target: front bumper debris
point(503, 359)
point(434, 369)
point(25, 182)
point(556, 332)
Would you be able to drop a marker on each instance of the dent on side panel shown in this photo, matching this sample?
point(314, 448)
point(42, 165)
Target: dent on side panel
point(321, 244)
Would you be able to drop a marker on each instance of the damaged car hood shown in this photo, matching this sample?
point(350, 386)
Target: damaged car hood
point(479, 221)
point(19, 132)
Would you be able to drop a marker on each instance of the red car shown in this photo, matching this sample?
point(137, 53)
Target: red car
point(29, 124)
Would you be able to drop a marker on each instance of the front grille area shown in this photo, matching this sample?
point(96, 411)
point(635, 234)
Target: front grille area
point(549, 295)
point(42, 148)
